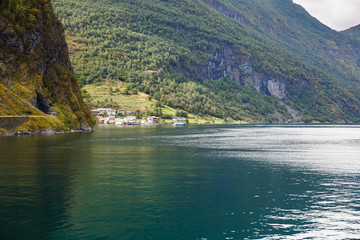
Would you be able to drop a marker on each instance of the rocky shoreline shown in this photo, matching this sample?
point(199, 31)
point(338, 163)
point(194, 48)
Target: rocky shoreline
point(45, 132)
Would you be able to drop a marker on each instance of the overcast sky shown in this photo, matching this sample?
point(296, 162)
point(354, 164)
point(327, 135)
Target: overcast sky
point(337, 14)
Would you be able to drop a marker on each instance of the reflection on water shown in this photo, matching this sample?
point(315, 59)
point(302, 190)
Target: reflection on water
point(35, 179)
point(216, 182)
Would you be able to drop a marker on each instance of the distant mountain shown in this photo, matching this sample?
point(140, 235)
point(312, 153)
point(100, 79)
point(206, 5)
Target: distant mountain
point(36, 77)
point(260, 60)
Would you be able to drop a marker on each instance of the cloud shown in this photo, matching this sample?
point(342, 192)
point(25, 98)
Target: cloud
point(337, 14)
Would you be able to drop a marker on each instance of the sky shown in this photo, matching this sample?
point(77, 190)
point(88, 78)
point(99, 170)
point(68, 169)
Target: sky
point(337, 14)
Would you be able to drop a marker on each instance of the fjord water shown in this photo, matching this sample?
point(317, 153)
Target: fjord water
point(197, 182)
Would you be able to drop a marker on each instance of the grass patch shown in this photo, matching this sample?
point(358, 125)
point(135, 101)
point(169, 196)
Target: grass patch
point(40, 123)
point(114, 94)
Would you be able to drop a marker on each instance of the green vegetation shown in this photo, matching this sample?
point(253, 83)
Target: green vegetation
point(24, 14)
point(115, 95)
point(111, 94)
point(163, 53)
point(38, 123)
point(12, 104)
point(36, 79)
point(162, 48)
point(354, 32)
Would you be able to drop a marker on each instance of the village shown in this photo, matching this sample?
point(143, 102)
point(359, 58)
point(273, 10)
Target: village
point(109, 116)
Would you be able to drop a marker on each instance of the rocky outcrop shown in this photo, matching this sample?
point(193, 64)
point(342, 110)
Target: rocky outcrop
point(229, 13)
point(35, 68)
point(236, 16)
point(226, 64)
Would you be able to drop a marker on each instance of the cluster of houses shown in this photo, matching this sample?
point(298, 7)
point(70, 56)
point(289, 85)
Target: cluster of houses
point(112, 116)
point(112, 112)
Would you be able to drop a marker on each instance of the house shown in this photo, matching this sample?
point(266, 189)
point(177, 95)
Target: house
point(153, 119)
point(102, 111)
point(119, 121)
point(131, 120)
point(149, 121)
point(111, 120)
point(144, 121)
point(95, 111)
point(121, 111)
point(100, 120)
point(132, 112)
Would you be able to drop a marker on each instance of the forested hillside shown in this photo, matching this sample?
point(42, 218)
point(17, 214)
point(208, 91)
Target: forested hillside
point(258, 60)
point(37, 83)
point(354, 32)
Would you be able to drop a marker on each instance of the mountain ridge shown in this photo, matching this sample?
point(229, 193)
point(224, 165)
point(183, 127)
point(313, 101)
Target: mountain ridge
point(353, 31)
point(278, 50)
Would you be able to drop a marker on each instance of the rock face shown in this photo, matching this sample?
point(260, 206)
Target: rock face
point(231, 14)
point(36, 77)
point(225, 63)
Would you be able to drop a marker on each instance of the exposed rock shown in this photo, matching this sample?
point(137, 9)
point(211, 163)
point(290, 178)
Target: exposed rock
point(273, 30)
point(229, 13)
point(43, 132)
point(32, 39)
point(295, 115)
point(236, 67)
point(36, 76)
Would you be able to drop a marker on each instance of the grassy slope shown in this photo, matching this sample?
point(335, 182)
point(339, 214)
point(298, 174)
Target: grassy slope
point(12, 104)
point(109, 94)
point(113, 93)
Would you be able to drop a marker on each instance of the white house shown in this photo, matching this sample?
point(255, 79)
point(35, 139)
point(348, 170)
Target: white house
point(149, 120)
point(121, 111)
point(95, 111)
point(111, 120)
point(131, 120)
point(101, 111)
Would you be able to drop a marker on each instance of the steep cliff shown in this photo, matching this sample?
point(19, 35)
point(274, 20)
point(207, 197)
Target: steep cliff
point(227, 64)
point(36, 76)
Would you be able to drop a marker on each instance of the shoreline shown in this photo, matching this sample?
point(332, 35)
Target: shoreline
point(92, 129)
point(240, 124)
point(44, 132)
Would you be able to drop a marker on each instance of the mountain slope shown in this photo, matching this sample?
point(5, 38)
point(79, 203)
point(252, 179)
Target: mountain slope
point(354, 32)
point(36, 77)
point(261, 60)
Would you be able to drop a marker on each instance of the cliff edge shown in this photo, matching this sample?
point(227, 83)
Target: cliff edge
point(37, 81)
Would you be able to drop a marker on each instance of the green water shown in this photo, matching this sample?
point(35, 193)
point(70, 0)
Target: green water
point(197, 182)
